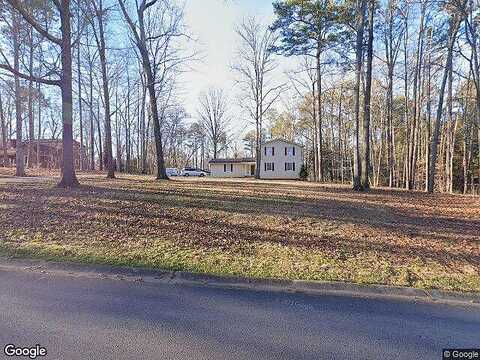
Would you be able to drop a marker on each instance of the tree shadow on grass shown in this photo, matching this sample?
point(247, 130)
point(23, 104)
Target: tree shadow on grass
point(149, 213)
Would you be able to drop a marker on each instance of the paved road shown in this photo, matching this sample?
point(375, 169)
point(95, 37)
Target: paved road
point(82, 318)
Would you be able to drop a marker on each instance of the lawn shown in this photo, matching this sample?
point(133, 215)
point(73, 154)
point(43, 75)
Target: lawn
point(261, 229)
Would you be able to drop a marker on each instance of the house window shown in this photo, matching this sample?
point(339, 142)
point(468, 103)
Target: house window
point(224, 167)
point(269, 166)
point(227, 167)
point(290, 151)
point(269, 151)
point(289, 166)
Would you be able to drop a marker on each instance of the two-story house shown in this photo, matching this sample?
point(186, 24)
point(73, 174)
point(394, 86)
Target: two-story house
point(280, 159)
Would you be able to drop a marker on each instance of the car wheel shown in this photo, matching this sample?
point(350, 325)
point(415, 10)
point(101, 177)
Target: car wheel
point(187, 174)
point(202, 175)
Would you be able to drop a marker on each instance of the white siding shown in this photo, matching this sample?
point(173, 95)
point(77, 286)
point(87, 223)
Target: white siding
point(279, 159)
point(239, 170)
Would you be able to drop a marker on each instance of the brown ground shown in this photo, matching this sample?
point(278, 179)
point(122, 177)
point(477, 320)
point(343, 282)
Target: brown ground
point(246, 227)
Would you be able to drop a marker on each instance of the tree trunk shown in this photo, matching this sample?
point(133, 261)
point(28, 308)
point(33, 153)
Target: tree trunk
point(406, 165)
point(127, 128)
point(315, 134)
point(467, 153)
point(31, 126)
point(161, 174)
point(429, 111)
point(92, 125)
point(478, 134)
point(360, 25)
point(19, 158)
point(454, 26)
point(340, 139)
point(99, 131)
point(118, 134)
point(39, 130)
point(321, 176)
point(365, 178)
point(144, 135)
point(80, 113)
point(106, 94)
point(69, 178)
point(391, 55)
point(258, 149)
point(3, 129)
point(390, 136)
point(414, 128)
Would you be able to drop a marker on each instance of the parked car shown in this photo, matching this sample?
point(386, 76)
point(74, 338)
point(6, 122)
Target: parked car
point(193, 172)
point(172, 172)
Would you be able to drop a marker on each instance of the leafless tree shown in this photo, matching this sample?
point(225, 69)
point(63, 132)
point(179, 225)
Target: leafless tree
point(155, 28)
point(456, 10)
point(64, 42)
point(214, 116)
point(97, 14)
point(255, 66)
point(359, 27)
point(3, 133)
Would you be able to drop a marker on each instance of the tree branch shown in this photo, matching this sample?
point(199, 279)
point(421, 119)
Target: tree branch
point(19, 7)
point(28, 77)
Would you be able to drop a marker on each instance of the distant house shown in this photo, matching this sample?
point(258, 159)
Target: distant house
point(49, 150)
point(280, 159)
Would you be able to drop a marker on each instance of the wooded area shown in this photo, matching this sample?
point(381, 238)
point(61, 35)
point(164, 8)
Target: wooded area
point(384, 92)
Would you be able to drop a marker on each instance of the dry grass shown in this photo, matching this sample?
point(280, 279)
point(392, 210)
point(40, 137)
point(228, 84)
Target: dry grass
point(248, 228)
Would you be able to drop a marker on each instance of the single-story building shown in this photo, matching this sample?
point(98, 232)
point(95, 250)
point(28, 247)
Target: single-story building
point(241, 167)
point(280, 159)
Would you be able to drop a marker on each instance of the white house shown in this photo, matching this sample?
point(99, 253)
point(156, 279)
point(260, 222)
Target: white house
point(241, 167)
point(280, 159)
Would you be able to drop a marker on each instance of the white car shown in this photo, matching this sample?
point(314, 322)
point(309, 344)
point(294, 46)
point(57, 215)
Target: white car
point(172, 171)
point(193, 172)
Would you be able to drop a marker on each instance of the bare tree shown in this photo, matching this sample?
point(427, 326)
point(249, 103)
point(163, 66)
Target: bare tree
point(64, 41)
point(158, 24)
point(392, 31)
point(14, 29)
point(3, 132)
point(365, 173)
point(456, 10)
point(254, 66)
point(360, 27)
point(304, 80)
point(213, 116)
point(97, 20)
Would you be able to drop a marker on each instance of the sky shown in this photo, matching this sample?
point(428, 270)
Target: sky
point(212, 23)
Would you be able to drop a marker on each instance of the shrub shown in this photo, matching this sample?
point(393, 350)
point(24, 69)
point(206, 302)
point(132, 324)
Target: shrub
point(303, 173)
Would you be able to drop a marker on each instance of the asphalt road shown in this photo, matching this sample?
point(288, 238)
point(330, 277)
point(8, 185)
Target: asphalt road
point(82, 318)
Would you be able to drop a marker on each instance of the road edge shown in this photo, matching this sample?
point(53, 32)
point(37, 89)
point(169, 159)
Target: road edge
point(153, 276)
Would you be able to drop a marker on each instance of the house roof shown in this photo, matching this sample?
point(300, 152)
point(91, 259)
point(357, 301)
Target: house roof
point(282, 140)
point(58, 142)
point(232, 161)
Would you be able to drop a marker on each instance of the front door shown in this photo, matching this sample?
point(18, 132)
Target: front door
point(252, 170)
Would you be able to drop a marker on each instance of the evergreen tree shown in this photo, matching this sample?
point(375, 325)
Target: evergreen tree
point(309, 28)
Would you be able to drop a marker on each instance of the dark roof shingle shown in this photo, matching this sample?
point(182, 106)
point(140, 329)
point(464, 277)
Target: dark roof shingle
point(231, 161)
